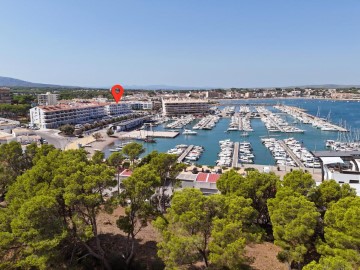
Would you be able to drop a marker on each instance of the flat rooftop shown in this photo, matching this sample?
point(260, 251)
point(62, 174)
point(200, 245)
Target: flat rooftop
point(75, 105)
point(336, 153)
point(185, 101)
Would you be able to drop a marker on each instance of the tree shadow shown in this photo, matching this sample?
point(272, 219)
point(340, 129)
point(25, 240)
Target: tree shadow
point(146, 257)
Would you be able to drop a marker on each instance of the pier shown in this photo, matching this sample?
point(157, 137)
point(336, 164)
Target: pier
point(235, 160)
point(185, 153)
point(291, 154)
point(272, 121)
point(299, 114)
point(142, 134)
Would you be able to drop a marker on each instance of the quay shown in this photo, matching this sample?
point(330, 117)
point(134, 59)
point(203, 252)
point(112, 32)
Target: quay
point(142, 134)
point(291, 154)
point(185, 153)
point(300, 113)
point(235, 155)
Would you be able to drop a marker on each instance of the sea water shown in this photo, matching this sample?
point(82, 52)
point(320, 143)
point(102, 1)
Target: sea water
point(313, 139)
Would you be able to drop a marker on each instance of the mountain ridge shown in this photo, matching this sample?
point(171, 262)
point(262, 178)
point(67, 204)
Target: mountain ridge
point(12, 82)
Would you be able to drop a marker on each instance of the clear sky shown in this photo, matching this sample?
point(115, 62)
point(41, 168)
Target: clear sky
point(222, 43)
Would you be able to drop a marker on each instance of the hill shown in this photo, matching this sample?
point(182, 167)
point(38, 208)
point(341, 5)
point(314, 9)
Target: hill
point(11, 82)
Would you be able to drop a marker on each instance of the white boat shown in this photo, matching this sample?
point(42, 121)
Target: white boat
point(189, 132)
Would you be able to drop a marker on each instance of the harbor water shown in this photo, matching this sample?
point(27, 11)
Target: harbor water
point(347, 112)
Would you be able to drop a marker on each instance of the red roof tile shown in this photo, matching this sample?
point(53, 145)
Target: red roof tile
point(213, 178)
point(202, 177)
point(126, 173)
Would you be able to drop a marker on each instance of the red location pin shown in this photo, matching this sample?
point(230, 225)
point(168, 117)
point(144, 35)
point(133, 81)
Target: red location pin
point(117, 91)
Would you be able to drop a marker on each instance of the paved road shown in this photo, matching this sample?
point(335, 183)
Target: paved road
point(54, 138)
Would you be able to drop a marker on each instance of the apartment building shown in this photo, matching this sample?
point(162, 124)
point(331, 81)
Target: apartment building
point(5, 96)
point(47, 99)
point(54, 116)
point(173, 107)
point(141, 105)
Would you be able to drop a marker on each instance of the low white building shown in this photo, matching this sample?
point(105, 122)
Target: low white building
point(74, 113)
point(343, 167)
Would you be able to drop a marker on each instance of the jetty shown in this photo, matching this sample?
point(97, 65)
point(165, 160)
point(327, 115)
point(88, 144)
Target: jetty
point(142, 134)
point(291, 154)
point(306, 118)
point(235, 160)
point(185, 153)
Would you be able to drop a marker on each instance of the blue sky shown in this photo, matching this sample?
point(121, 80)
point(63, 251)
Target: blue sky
point(223, 43)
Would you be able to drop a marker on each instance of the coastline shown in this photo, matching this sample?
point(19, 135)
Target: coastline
point(285, 98)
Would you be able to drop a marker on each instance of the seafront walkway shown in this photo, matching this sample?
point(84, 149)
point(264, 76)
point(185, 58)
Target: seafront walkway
point(142, 134)
point(185, 153)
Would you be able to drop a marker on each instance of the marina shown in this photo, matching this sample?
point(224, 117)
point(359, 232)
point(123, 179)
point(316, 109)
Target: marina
point(313, 139)
point(315, 121)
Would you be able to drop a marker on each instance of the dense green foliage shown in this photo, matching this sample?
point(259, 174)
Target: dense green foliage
point(214, 229)
point(23, 99)
point(259, 187)
point(294, 219)
point(14, 111)
point(67, 129)
point(133, 151)
point(52, 210)
point(53, 198)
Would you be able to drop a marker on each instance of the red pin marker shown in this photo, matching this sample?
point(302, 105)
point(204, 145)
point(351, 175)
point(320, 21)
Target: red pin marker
point(117, 91)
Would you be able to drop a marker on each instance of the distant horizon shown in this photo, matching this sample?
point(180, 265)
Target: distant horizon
point(167, 87)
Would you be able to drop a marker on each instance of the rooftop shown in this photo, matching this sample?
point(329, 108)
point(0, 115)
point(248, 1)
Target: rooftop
point(335, 153)
point(126, 173)
point(74, 105)
point(186, 100)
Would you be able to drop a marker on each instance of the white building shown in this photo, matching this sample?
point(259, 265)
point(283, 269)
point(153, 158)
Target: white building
point(343, 167)
point(47, 99)
point(185, 106)
point(74, 113)
point(141, 105)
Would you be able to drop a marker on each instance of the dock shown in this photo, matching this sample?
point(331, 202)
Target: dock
point(291, 154)
point(301, 113)
point(142, 134)
point(185, 153)
point(235, 160)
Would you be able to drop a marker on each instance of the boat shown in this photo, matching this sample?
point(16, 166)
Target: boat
point(189, 132)
point(244, 134)
point(149, 139)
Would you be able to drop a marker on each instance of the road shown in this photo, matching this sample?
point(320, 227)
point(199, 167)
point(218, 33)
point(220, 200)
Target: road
point(52, 137)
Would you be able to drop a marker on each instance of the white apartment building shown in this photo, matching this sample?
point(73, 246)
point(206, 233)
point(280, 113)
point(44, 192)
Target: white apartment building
point(74, 113)
point(185, 106)
point(47, 99)
point(141, 105)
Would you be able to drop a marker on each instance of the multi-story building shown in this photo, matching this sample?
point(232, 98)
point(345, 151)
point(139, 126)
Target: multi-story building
point(185, 106)
point(55, 116)
point(47, 99)
point(5, 96)
point(141, 105)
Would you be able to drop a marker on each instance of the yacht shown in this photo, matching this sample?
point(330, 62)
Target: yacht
point(189, 132)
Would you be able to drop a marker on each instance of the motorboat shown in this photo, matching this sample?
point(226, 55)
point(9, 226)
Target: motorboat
point(189, 132)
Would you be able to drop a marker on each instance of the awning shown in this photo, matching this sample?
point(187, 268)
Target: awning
point(331, 160)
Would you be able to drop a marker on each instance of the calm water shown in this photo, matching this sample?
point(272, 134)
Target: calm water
point(313, 139)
